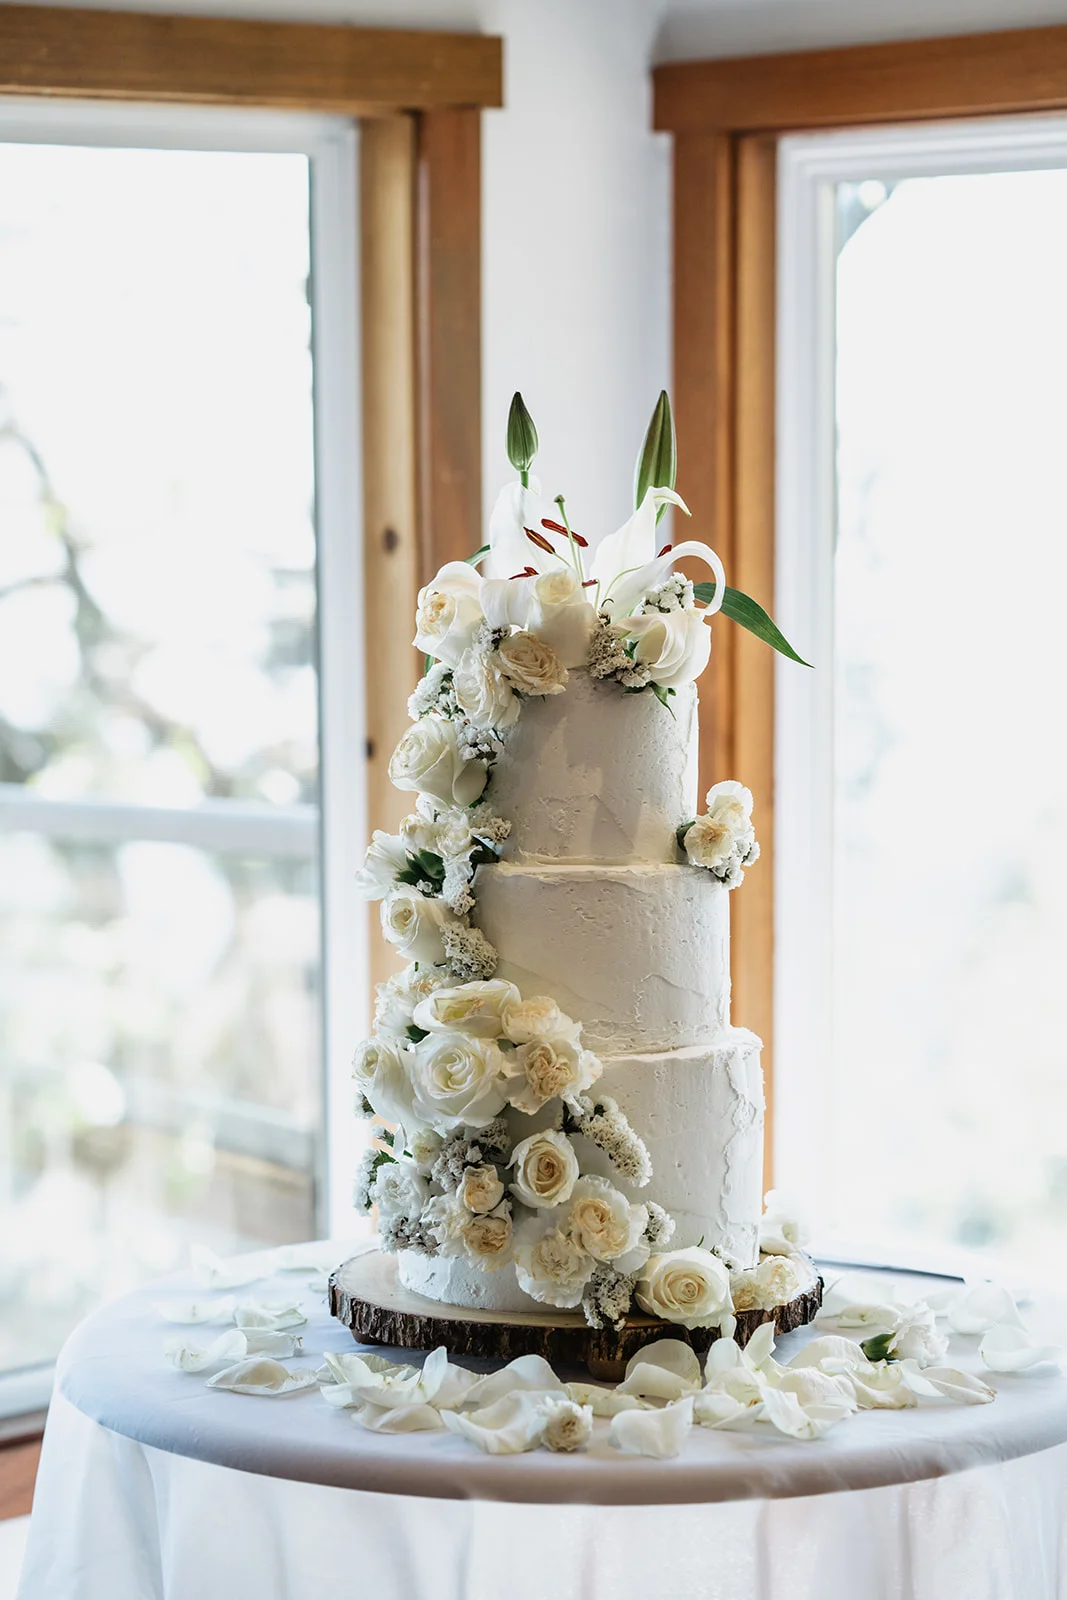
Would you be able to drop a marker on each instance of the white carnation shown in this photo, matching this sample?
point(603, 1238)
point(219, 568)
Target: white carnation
point(537, 1018)
point(547, 1069)
point(428, 761)
point(386, 856)
point(449, 612)
point(606, 1225)
point(397, 997)
point(568, 1425)
point(457, 1081)
point(400, 1191)
point(485, 1240)
point(414, 925)
point(480, 1188)
point(550, 1266)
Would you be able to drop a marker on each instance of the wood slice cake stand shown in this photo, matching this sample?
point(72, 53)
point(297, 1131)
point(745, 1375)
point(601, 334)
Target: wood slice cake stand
point(368, 1297)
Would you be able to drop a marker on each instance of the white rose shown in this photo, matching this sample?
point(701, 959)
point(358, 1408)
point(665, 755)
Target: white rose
point(413, 924)
point(449, 613)
point(386, 856)
point(481, 1188)
point(457, 1081)
point(606, 1225)
point(708, 843)
point(675, 646)
point(472, 1008)
point(483, 1240)
point(730, 802)
point(568, 1425)
point(546, 1069)
point(690, 1287)
point(537, 1018)
point(549, 1264)
point(400, 1190)
point(546, 1169)
point(483, 694)
point(427, 761)
point(380, 1075)
point(530, 665)
point(397, 997)
point(561, 616)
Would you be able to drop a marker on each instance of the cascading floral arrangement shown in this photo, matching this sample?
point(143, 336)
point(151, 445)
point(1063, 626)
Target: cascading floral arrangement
point(460, 1062)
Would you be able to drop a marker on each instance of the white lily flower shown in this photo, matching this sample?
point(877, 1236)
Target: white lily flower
point(223, 1351)
point(196, 1311)
point(262, 1375)
point(510, 550)
point(507, 1427)
point(627, 564)
point(1009, 1348)
point(660, 1434)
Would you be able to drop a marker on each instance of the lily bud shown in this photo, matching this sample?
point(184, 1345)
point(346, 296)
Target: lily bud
point(522, 437)
point(657, 465)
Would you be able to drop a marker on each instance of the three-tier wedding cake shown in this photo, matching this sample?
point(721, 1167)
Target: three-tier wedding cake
point(573, 1119)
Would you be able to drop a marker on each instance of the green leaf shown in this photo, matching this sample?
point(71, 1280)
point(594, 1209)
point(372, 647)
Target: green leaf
point(415, 1034)
point(876, 1348)
point(663, 696)
point(431, 864)
point(751, 615)
point(522, 437)
point(477, 556)
point(657, 465)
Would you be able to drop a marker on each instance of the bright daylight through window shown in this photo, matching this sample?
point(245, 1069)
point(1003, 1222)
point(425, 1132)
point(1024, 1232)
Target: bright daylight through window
point(943, 1117)
point(159, 966)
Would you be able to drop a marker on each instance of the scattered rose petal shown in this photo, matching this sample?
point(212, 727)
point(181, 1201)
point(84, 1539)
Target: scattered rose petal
point(223, 1351)
point(653, 1382)
point(400, 1419)
point(719, 1409)
point(507, 1427)
point(196, 1311)
point(672, 1354)
point(811, 1386)
point(981, 1306)
point(215, 1273)
point(525, 1372)
point(1008, 1348)
point(604, 1402)
point(264, 1342)
point(871, 1316)
point(261, 1375)
point(787, 1414)
point(660, 1434)
point(945, 1383)
point(257, 1314)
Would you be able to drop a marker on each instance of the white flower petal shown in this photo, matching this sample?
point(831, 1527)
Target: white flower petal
point(946, 1383)
point(196, 1311)
point(507, 1427)
point(604, 1402)
point(980, 1306)
point(786, 1413)
point(261, 1375)
point(224, 1350)
point(660, 1434)
point(721, 1410)
point(1007, 1348)
point(215, 1273)
point(256, 1314)
point(655, 1383)
point(418, 1418)
point(674, 1354)
point(524, 1373)
point(266, 1342)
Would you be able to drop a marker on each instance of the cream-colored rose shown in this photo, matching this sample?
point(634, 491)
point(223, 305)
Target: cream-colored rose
point(530, 665)
point(483, 694)
point(561, 615)
point(690, 1287)
point(427, 761)
point(546, 1169)
point(549, 1068)
point(708, 842)
point(568, 1426)
point(413, 924)
point(537, 1018)
point(397, 997)
point(488, 1238)
point(606, 1225)
point(675, 646)
point(448, 613)
point(457, 1081)
point(380, 1074)
point(481, 1188)
point(472, 1008)
point(549, 1264)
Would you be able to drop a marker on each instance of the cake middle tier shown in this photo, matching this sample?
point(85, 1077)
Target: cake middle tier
point(639, 955)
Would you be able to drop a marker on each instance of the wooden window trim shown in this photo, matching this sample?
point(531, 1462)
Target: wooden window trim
point(726, 117)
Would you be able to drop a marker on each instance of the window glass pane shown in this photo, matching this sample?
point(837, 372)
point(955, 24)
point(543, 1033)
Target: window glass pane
point(156, 475)
point(159, 1029)
point(950, 871)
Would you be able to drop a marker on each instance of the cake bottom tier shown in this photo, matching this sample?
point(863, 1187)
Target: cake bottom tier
point(700, 1112)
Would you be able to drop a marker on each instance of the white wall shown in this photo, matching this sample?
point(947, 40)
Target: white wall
point(576, 194)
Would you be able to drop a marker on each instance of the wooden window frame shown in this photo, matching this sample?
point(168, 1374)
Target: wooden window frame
point(727, 117)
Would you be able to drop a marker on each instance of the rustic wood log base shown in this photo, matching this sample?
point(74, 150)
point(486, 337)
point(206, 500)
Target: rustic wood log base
point(367, 1296)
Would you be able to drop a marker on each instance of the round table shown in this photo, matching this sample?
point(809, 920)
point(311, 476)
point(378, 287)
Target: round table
point(154, 1487)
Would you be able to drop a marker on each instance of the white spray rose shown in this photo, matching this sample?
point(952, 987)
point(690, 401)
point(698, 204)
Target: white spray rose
point(675, 647)
point(690, 1287)
point(546, 1169)
point(427, 761)
point(457, 1081)
point(449, 613)
point(413, 924)
point(484, 1240)
point(480, 1188)
point(380, 1074)
point(400, 1191)
point(546, 1069)
point(568, 1425)
point(483, 694)
point(561, 616)
point(454, 837)
point(537, 1018)
point(472, 1008)
point(774, 1282)
point(386, 856)
point(549, 1264)
point(530, 665)
point(606, 1225)
point(397, 997)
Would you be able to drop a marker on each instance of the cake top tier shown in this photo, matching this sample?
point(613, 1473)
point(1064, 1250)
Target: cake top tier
point(598, 776)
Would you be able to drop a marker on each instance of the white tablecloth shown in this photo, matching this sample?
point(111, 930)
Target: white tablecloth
point(140, 1498)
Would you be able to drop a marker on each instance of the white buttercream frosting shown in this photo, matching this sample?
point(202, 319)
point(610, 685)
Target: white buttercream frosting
point(453, 1282)
point(639, 955)
point(597, 775)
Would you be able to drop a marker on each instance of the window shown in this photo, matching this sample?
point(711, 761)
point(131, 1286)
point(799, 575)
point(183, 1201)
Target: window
point(921, 796)
point(180, 722)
